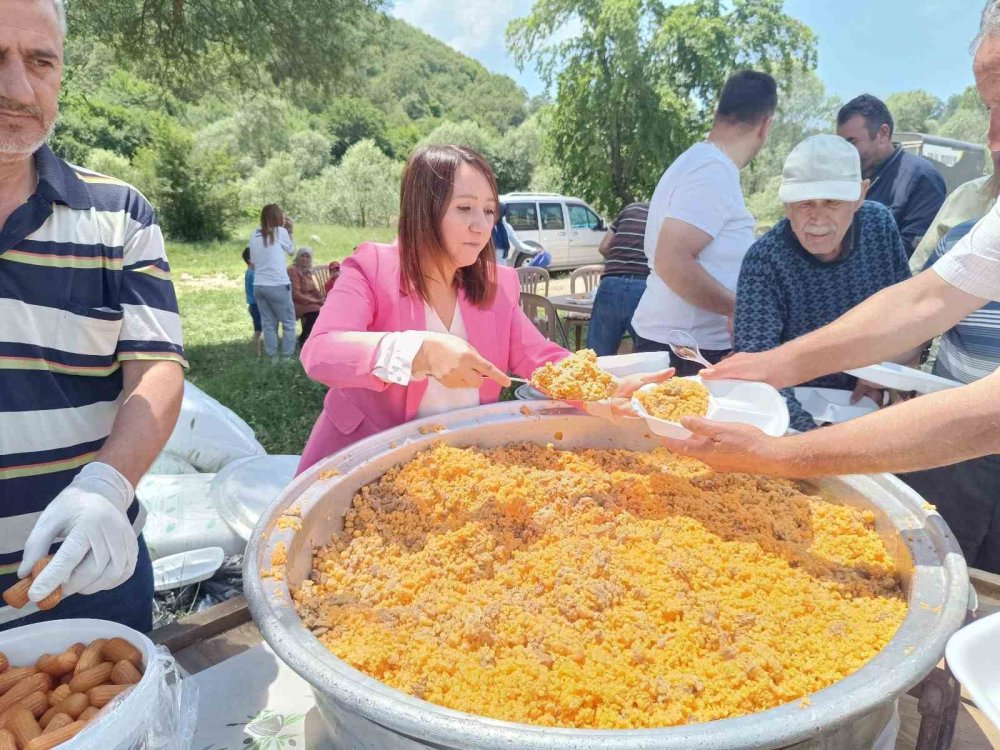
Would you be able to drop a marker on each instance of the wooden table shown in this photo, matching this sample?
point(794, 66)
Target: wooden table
point(225, 630)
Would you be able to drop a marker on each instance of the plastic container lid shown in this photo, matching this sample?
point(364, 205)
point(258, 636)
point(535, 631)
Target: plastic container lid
point(973, 654)
point(900, 378)
point(243, 489)
point(832, 405)
point(186, 568)
point(739, 401)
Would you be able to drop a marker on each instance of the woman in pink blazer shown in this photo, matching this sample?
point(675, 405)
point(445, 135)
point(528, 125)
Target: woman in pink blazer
point(430, 323)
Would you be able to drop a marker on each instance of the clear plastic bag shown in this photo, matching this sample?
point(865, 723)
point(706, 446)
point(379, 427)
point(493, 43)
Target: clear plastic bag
point(158, 713)
point(167, 706)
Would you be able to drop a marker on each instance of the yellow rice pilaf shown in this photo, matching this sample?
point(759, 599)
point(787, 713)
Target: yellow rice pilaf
point(675, 398)
point(599, 588)
point(575, 378)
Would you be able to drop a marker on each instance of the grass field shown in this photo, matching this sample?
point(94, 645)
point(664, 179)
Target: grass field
point(277, 400)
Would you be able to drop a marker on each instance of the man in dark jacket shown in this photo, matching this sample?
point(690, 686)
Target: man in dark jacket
point(908, 184)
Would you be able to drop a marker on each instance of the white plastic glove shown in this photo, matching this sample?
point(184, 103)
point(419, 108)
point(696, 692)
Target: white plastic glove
point(101, 547)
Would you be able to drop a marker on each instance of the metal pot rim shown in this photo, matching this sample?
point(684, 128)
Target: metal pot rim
point(937, 608)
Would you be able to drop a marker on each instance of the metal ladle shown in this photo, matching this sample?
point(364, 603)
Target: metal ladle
point(684, 346)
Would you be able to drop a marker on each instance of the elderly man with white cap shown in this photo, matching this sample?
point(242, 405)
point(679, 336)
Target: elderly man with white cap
point(834, 251)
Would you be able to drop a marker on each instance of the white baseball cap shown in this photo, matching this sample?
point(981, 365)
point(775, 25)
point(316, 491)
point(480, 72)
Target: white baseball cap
point(822, 167)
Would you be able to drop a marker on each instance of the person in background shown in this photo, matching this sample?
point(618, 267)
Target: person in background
point(508, 245)
point(251, 301)
point(935, 430)
point(966, 493)
point(270, 243)
point(93, 359)
point(334, 275)
point(623, 280)
point(970, 201)
point(430, 323)
point(834, 251)
point(699, 228)
point(306, 295)
point(908, 184)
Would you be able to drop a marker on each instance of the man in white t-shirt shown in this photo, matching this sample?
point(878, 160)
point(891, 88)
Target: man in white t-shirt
point(699, 228)
point(935, 430)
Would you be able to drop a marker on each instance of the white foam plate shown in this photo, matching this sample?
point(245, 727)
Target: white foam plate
point(738, 401)
point(186, 568)
point(901, 378)
point(973, 654)
point(832, 405)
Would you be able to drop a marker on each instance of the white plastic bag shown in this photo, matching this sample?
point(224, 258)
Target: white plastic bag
point(182, 515)
point(160, 713)
point(208, 435)
point(167, 463)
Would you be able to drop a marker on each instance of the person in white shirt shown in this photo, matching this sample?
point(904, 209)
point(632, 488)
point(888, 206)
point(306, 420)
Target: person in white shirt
point(939, 429)
point(699, 228)
point(270, 246)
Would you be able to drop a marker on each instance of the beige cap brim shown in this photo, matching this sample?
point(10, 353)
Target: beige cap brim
point(840, 190)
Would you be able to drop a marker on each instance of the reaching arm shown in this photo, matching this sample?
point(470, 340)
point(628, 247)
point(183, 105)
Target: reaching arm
point(676, 262)
point(888, 325)
point(152, 395)
point(935, 430)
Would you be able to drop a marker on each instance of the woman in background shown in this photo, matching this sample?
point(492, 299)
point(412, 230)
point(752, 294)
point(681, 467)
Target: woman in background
point(270, 244)
point(306, 295)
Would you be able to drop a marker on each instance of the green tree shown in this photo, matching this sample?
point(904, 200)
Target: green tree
point(307, 40)
point(465, 133)
point(637, 85)
point(349, 119)
point(517, 154)
point(915, 111)
point(365, 185)
point(310, 152)
point(965, 118)
point(193, 189)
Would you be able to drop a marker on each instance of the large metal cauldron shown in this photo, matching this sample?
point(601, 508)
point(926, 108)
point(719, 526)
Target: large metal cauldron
point(364, 713)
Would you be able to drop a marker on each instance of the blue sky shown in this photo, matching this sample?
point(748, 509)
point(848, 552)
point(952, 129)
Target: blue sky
point(874, 46)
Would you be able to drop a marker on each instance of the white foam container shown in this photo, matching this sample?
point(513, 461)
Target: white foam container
point(126, 720)
point(973, 654)
point(832, 405)
point(738, 401)
point(902, 378)
point(187, 568)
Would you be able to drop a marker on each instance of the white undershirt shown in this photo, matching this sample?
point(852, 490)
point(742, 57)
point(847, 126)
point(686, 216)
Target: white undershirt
point(394, 364)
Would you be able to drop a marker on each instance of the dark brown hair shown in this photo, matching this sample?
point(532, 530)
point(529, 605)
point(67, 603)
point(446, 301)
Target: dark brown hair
point(428, 180)
point(271, 217)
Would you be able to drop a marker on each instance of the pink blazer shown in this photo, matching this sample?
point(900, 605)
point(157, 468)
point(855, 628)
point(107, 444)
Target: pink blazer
point(369, 296)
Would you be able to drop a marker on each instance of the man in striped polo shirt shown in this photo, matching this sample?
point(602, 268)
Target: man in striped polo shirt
point(91, 355)
point(623, 280)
